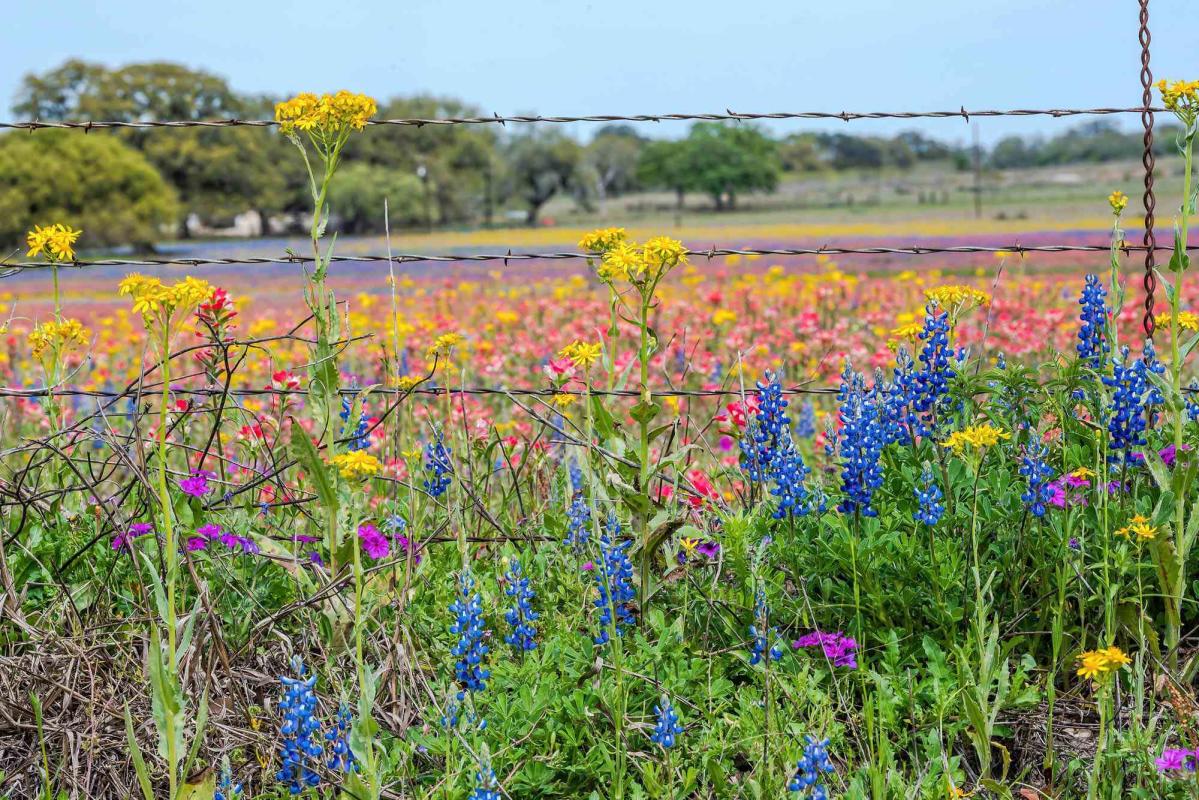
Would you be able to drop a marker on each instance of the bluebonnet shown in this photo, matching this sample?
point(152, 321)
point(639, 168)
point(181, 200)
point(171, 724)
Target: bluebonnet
point(437, 467)
point(486, 784)
point(1038, 474)
point(340, 756)
point(520, 616)
point(929, 495)
point(1192, 401)
point(576, 476)
point(768, 452)
point(1001, 361)
point(931, 380)
point(358, 439)
point(1152, 365)
point(860, 445)
point(900, 420)
point(805, 426)
point(811, 769)
point(300, 731)
point(614, 580)
point(226, 789)
point(1093, 346)
point(1126, 422)
point(578, 528)
point(762, 633)
point(668, 726)
point(471, 630)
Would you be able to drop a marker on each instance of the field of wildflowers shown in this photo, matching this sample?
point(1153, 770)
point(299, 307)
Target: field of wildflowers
point(658, 527)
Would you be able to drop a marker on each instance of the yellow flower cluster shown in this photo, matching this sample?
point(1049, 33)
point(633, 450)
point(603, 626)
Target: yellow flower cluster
point(975, 436)
point(1118, 201)
point(356, 465)
point(602, 240)
point(1181, 97)
point(1098, 664)
point(624, 260)
point(958, 297)
point(562, 401)
point(327, 114)
point(1187, 321)
point(57, 336)
point(56, 242)
point(444, 343)
point(150, 295)
point(406, 382)
point(723, 316)
point(1138, 526)
point(581, 354)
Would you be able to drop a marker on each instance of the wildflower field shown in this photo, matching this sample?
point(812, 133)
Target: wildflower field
point(647, 524)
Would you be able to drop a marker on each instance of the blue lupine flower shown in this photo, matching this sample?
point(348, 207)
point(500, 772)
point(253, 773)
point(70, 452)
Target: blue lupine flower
point(471, 630)
point(1093, 346)
point(805, 426)
point(437, 467)
point(769, 453)
point(521, 616)
point(668, 726)
point(358, 439)
point(340, 756)
point(614, 580)
point(811, 769)
point(1038, 474)
point(1191, 399)
point(860, 445)
point(576, 476)
point(929, 495)
point(578, 527)
point(1001, 361)
point(486, 784)
point(900, 421)
point(226, 789)
point(1152, 365)
point(1126, 424)
point(300, 731)
point(762, 633)
point(931, 380)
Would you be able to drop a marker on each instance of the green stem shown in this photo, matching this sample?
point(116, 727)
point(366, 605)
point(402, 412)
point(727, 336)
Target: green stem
point(170, 556)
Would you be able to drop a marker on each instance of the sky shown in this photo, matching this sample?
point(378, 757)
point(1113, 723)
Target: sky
point(573, 57)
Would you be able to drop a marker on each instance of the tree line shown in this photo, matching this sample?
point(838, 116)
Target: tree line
point(137, 186)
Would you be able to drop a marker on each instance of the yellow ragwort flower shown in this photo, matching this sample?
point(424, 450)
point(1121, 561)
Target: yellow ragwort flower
point(958, 297)
point(975, 436)
point(444, 343)
point(581, 354)
point(325, 116)
point(662, 251)
point(55, 242)
point(1118, 201)
point(621, 262)
point(1181, 97)
point(406, 382)
point(1096, 665)
point(1138, 526)
point(601, 240)
point(1187, 320)
point(562, 401)
point(57, 337)
point(356, 465)
point(723, 316)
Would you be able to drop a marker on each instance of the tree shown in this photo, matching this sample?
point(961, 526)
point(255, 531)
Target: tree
point(96, 183)
point(611, 160)
point(725, 160)
point(218, 172)
point(540, 162)
point(802, 152)
point(664, 163)
point(359, 191)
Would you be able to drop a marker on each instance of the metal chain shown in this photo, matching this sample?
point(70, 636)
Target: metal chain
point(1149, 239)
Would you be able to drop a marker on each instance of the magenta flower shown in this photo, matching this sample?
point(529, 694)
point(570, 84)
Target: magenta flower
point(122, 539)
point(708, 549)
point(407, 546)
point(1174, 759)
point(374, 543)
point(195, 543)
point(838, 648)
point(197, 484)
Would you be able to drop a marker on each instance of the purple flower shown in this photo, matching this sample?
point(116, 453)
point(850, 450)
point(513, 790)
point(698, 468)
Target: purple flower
point(121, 540)
point(407, 546)
point(588, 566)
point(210, 532)
point(708, 549)
point(195, 543)
point(374, 543)
point(197, 484)
point(837, 647)
point(1174, 759)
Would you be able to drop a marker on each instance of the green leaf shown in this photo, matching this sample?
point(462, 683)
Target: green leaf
point(198, 738)
point(645, 412)
point(135, 752)
point(201, 787)
point(304, 451)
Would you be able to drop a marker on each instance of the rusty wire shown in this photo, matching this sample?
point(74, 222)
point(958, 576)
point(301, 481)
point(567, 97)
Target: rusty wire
point(1149, 239)
point(417, 122)
point(710, 253)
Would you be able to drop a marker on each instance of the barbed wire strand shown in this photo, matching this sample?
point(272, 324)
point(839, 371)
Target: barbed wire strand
point(418, 122)
point(714, 252)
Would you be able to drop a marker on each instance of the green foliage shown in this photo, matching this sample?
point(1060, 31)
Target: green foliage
point(359, 191)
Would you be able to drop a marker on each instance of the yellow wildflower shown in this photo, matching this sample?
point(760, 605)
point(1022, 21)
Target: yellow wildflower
point(406, 382)
point(356, 465)
point(444, 343)
point(325, 116)
point(1098, 664)
point(958, 297)
point(581, 354)
point(1138, 526)
point(1118, 201)
point(665, 252)
point(722, 316)
point(601, 240)
point(1187, 320)
point(57, 336)
point(621, 262)
point(1082, 473)
point(563, 400)
point(56, 242)
point(975, 436)
point(689, 543)
point(1181, 97)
